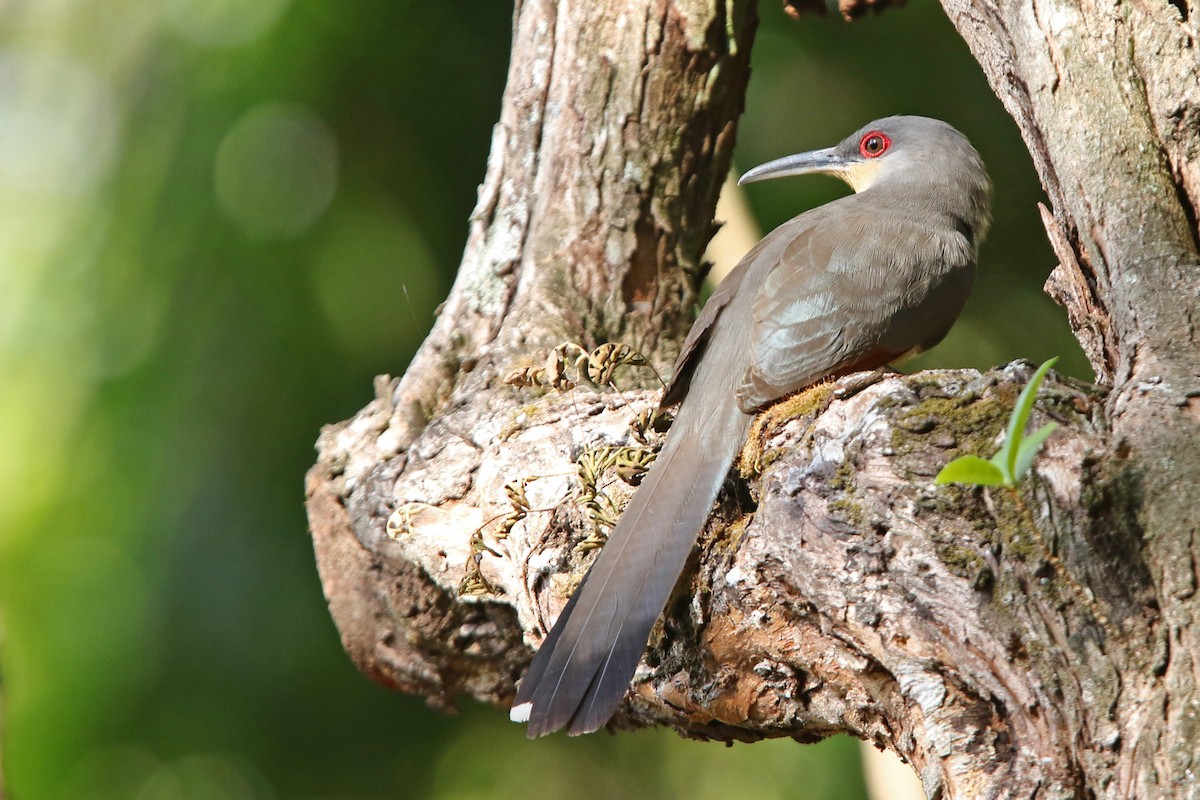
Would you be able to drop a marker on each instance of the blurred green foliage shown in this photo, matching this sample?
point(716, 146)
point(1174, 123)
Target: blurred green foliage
point(218, 221)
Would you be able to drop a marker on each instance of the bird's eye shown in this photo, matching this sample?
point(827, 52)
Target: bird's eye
point(874, 144)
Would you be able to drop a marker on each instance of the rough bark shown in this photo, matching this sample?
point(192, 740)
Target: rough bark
point(1107, 97)
point(1034, 645)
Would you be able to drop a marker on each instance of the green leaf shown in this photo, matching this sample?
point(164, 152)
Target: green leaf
point(971, 469)
point(1029, 448)
point(1000, 461)
point(1018, 421)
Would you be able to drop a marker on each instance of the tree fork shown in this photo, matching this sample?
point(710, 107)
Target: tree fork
point(846, 593)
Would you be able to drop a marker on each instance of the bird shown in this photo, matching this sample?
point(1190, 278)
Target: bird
point(855, 284)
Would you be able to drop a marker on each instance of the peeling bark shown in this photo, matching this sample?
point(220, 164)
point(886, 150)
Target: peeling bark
point(1041, 644)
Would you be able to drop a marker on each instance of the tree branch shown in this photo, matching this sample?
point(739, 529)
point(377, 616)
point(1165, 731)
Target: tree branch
point(855, 597)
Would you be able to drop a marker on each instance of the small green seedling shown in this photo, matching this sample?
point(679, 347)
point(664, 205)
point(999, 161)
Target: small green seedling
point(1015, 456)
point(1008, 467)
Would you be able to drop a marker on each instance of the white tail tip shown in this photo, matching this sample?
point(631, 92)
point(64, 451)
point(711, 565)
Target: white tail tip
point(520, 713)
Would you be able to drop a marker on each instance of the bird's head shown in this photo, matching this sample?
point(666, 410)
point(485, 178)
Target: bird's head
point(884, 151)
point(917, 160)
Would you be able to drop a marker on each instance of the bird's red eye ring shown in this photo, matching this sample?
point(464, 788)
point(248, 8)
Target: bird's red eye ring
point(874, 144)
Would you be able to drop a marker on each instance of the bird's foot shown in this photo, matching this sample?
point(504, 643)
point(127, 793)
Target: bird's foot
point(855, 382)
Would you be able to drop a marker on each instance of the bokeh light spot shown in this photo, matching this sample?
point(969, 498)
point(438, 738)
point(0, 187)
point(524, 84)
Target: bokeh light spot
point(59, 125)
point(211, 776)
point(375, 281)
point(276, 171)
point(223, 23)
point(108, 773)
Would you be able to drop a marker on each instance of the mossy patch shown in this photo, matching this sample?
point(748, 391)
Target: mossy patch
point(730, 536)
point(848, 510)
point(755, 458)
point(807, 403)
point(962, 561)
point(845, 478)
point(887, 401)
point(968, 425)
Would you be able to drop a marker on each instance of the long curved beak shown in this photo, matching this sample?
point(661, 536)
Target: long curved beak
point(825, 161)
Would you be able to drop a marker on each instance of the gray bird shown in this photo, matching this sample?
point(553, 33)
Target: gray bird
point(852, 285)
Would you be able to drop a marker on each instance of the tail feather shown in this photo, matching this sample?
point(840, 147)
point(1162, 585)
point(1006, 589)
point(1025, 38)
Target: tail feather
point(581, 673)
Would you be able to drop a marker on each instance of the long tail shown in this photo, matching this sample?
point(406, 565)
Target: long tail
point(584, 667)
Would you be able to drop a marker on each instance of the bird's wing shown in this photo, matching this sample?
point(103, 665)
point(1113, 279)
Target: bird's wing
point(829, 301)
point(693, 345)
point(797, 332)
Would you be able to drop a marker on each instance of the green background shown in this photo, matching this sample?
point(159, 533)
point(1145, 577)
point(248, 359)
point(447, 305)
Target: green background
point(218, 221)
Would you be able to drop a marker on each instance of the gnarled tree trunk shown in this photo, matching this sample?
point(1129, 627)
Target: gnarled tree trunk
point(1041, 645)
